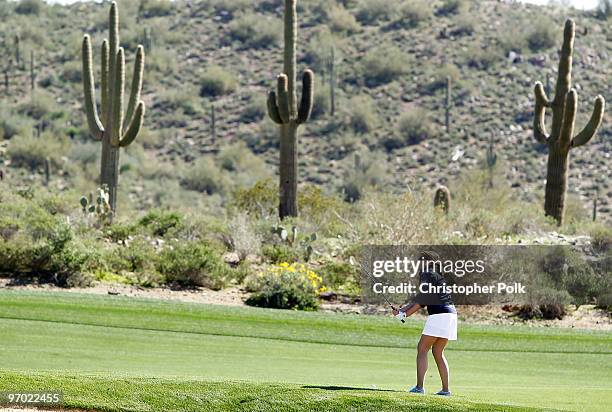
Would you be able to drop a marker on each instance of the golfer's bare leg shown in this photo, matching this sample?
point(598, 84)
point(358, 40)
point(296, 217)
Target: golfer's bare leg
point(422, 352)
point(438, 354)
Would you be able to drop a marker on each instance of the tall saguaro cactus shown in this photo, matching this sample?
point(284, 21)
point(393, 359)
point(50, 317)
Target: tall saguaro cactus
point(114, 128)
point(283, 109)
point(561, 137)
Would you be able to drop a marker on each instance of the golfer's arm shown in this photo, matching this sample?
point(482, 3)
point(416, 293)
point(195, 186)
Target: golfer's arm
point(410, 308)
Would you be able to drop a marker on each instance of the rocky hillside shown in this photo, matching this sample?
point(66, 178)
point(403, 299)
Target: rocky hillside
point(391, 59)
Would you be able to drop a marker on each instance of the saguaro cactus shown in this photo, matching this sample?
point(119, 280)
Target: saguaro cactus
point(331, 70)
point(283, 109)
point(213, 124)
point(17, 41)
point(442, 199)
point(32, 71)
point(561, 137)
point(449, 102)
point(114, 128)
point(491, 158)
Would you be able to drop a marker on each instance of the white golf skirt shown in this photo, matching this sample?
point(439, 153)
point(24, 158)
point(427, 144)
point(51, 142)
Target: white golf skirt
point(441, 325)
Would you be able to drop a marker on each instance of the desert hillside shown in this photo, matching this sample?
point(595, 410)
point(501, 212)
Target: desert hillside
point(391, 60)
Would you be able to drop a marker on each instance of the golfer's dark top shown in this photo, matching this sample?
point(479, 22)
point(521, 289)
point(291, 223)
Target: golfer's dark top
point(435, 302)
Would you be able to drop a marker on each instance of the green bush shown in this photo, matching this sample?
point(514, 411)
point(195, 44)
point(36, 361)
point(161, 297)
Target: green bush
point(203, 176)
point(285, 287)
point(413, 128)
point(413, 13)
point(135, 256)
point(342, 21)
point(31, 152)
point(13, 125)
point(604, 9)
point(383, 65)
point(339, 276)
point(542, 35)
point(160, 222)
point(602, 238)
point(256, 31)
point(452, 7)
point(373, 11)
point(41, 105)
point(216, 81)
point(280, 253)
point(156, 8)
point(36, 244)
point(193, 264)
point(363, 114)
point(29, 7)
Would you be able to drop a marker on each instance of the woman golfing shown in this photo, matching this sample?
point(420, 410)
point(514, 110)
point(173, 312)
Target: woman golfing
point(441, 325)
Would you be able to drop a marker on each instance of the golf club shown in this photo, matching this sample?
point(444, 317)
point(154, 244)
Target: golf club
point(400, 315)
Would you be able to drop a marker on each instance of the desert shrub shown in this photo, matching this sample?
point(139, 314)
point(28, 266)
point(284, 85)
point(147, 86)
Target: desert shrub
point(452, 7)
point(363, 170)
point(601, 236)
point(259, 200)
point(553, 308)
point(542, 35)
point(363, 114)
point(216, 82)
point(156, 8)
point(31, 152)
point(41, 105)
point(372, 11)
point(71, 72)
point(255, 110)
point(321, 104)
point(412, 13)
point(203, 176)
point(481, 58)
point(279, 253)
point(184, 99)
point(36, 244)
point(256, 31)
point(193, 263)
point(161, 222)
point(246, 168)
point(12, 125)
point(441, 74)
point(135, 256)
point(569, 271)
point(342, 21)
point(464, 24)
point(286, 286)
point(243, 237)
point(604, 9)
point(413, 127)
point(29, 7)
point(318, 49)
point(339, 276)
point(383, 65)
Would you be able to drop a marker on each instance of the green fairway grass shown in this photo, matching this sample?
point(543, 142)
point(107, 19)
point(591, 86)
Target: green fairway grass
point(111, 352)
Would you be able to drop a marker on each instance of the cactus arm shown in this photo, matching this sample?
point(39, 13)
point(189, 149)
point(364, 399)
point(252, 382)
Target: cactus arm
point(136, 85)
point(117, 96)
point(273, 108)
point(282, 95)
point(289, 60)
point(541, 103)
point(95, 126)
point(113, 49)
point(564, 80)
point(594, 122)
point(305, 108)
point(569, 119)
point(135, 125)
point(104, 79)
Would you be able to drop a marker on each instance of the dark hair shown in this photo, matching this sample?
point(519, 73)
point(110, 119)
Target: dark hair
point(429, 255)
